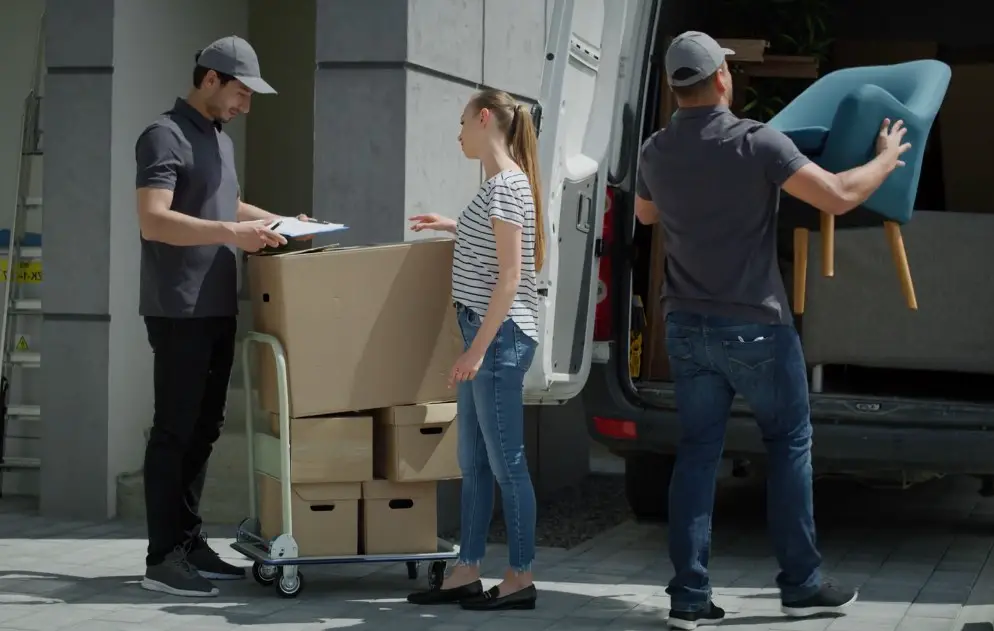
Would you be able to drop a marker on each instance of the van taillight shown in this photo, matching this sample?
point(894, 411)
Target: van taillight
point(615, 428)
point(602, 313)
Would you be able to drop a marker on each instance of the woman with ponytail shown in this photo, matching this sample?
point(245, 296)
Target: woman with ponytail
point(500, 246)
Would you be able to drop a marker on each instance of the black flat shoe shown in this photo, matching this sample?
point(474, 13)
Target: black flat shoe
point(491, 600)
point(447, 596)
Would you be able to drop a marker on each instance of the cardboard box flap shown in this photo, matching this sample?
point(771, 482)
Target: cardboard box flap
point(386, 490)
point(330, 493)
point(274, 252)
point(336, 248)
point(430, 414)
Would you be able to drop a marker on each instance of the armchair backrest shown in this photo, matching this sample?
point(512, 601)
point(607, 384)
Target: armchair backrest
point(847, 106)
point(920, 85)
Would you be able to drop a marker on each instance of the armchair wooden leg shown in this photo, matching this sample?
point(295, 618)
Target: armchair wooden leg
point(827, 245)
point(800, 268)
point(900, 256)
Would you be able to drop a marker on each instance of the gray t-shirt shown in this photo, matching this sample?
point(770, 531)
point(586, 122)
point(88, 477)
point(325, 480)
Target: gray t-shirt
point(190, 155)
point(716, 179)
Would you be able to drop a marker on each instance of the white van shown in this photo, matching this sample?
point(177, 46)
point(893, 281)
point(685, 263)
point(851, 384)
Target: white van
point(598, 102)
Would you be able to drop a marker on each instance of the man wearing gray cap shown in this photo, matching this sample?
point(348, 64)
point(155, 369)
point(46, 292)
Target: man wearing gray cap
point(713, 181)
point(192, 222)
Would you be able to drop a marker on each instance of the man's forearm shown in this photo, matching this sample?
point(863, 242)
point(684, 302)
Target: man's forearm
point(248, 212)
point(858, 184)
point(175, 228)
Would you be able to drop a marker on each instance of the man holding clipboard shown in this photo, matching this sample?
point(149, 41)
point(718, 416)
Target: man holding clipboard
point(192, 220)
point(302, 227)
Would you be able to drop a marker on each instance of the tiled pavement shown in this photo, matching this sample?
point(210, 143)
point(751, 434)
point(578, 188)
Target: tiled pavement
point(921, 556)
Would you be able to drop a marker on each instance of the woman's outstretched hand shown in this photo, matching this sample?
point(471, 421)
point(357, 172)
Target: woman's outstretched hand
point(432, 221)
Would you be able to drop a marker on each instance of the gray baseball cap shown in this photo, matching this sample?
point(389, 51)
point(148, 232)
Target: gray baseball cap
point(692, 57)
point(234, 56)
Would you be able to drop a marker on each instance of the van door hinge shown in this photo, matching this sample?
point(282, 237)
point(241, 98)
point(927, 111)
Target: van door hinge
point(599, 248)
point(536, 113)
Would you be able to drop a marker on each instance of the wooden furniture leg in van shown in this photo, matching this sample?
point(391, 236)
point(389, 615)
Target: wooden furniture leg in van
point(900, 256)
point(800, 268)
point(801, 236)
point(655, 361)
point(827, 245)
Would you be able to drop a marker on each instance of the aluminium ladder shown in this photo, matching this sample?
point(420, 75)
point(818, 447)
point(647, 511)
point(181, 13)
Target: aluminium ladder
point(15, 304)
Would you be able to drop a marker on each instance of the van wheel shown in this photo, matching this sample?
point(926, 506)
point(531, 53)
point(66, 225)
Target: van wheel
point(647, 485)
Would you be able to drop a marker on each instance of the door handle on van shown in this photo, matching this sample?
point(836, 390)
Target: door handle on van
point(583, 206)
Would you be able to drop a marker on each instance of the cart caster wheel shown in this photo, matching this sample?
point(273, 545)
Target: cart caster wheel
point(264, 575)
point(290, 587)
point(436, 574)
point(412, 570)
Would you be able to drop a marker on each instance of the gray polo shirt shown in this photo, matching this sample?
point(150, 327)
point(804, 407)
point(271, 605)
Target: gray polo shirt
point(716, 179)
point(190, 155)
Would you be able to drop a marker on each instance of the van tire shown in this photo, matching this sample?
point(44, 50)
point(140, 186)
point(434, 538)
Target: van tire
point(647, 485)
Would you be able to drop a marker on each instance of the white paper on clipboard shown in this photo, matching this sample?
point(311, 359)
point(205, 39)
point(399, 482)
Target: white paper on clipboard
point(292, 227)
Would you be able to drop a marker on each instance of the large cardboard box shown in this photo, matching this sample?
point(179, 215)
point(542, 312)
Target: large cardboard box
point(416, 443)
point(325, 516)
point(399, 518)
point(322, 449)
point(362, 327)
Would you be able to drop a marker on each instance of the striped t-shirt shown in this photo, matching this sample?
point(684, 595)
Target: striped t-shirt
point(506, 196)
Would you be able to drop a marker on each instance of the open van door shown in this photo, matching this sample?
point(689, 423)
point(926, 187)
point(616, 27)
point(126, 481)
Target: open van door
point(579, 98)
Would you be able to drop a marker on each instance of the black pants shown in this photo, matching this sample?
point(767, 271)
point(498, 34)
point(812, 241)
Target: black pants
point(192, 367)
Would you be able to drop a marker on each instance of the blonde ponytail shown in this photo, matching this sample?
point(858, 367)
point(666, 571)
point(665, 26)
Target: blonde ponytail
point(524, 151)
point(522, 139)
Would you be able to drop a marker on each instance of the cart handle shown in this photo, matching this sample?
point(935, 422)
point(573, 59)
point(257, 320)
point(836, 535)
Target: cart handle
point(283, 401)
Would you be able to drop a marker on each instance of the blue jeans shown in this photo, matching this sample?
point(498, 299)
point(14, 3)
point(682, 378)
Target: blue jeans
point(492, 445)
point(712, 359)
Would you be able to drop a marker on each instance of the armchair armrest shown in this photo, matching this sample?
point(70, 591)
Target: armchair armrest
point(809, 140)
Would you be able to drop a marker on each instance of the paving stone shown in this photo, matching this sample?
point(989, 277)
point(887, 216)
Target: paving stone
point(916, 571)
point(911, 623)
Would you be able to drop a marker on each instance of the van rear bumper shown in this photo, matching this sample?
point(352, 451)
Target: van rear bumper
point(850, 445)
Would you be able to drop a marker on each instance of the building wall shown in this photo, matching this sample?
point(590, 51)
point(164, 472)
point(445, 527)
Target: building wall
point(152, 66)
point(113, 67)
point(391, 83)
point(20, 29)
point(363, 131)
point(19, 32)
point(278, 173)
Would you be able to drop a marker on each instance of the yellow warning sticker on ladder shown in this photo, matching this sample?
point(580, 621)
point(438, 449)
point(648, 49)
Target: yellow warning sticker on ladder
point(27, 271)
point(22, 344)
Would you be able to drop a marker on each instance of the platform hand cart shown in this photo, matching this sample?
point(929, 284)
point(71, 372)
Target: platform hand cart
point(276, 561)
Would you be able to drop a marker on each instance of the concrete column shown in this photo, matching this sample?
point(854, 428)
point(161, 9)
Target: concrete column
point(109, 75)
point(76, 225)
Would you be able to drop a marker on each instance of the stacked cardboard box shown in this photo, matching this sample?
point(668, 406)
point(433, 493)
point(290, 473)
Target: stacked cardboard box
point(414, 448)
point(369, 336)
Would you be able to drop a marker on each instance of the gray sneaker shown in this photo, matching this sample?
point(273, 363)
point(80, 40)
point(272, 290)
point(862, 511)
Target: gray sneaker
point(176, 576)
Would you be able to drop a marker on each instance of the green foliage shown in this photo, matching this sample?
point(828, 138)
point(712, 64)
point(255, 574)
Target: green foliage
point(793, 27)
point(803, 28)
point(761, 106)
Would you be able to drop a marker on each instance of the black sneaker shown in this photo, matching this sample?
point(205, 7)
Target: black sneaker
point(711, 614)
point(828, 599)
point(176, 576)
point(210, 565)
